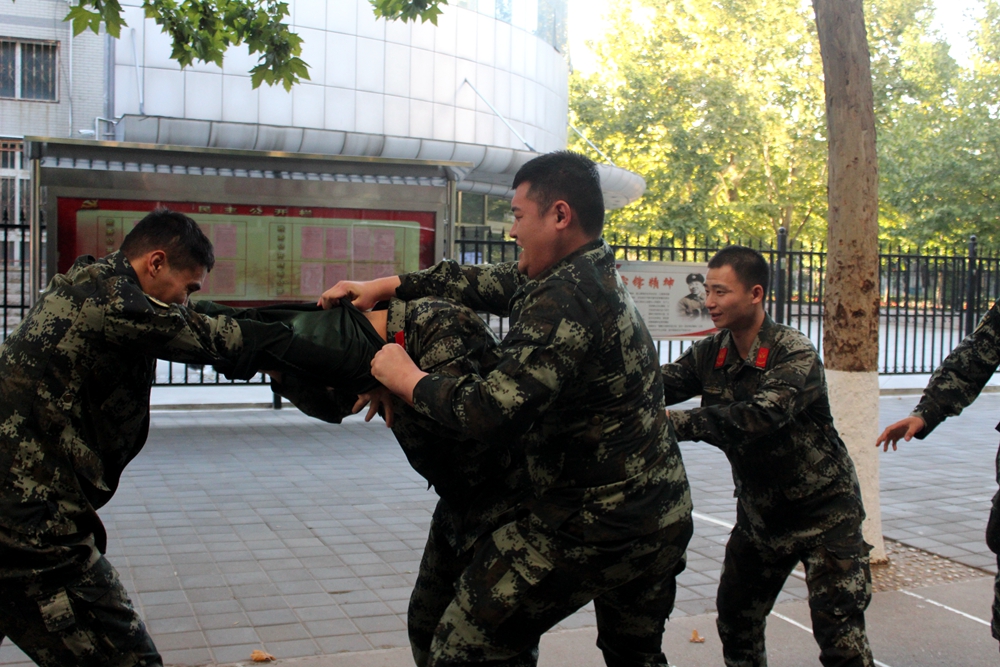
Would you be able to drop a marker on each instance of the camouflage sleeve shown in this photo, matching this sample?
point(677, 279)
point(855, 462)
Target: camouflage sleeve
point(681, 379)
point(542, 353)
point(170, 332)
point(482, 287)
point(962, 375)
point(791, 385)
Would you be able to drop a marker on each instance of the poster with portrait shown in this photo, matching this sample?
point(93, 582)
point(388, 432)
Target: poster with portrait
point(670, 297)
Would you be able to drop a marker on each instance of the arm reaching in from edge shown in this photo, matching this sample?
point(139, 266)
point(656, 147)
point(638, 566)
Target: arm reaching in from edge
point(363, 294)
point(904, 428)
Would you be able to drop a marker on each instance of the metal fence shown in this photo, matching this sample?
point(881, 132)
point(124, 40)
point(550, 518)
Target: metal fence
point(930, 301)
point(15, 205)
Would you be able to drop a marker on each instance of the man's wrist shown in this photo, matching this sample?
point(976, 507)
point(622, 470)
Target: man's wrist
point(386, 287)
point(408, 385)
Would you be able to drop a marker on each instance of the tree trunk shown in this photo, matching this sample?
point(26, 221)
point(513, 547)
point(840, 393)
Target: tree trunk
point(851, 306)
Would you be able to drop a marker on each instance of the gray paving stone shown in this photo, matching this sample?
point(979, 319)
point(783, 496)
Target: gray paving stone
point(235, 653)
point(297, 648)
point(281, 633)
point(288, 510)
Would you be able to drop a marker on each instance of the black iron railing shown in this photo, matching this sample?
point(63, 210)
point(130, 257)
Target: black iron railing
point(930, 301)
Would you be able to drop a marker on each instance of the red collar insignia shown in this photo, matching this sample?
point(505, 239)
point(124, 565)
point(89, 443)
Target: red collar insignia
point(399, 340)
point(762, 355)
point(720, 360)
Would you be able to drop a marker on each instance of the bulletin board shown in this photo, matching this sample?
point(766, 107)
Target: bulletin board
point(265, 253)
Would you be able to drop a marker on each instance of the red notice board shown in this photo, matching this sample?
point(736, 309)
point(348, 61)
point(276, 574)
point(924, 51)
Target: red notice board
point(265, 253)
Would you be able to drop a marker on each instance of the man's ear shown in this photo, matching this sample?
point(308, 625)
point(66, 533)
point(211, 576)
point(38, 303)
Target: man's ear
point(563, 214)
point(757, 294)
point(156, 261)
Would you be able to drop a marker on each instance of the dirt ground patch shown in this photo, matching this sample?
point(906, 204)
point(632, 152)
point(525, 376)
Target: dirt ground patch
point(909, 567)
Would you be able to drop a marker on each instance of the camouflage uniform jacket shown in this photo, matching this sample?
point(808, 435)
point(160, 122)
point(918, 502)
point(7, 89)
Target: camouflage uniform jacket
point(962, 375)
point(770, 415)
point(74, 406)
point(576, 385)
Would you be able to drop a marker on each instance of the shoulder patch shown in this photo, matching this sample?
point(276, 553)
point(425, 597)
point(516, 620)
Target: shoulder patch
point(157, 302)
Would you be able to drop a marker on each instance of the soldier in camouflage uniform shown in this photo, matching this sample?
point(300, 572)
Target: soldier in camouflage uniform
point(765, 404)
point(953, 386)
point(478, 485)
point(577, 386)
point(75, 378)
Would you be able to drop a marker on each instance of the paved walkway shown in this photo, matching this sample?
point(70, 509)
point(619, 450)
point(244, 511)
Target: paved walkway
point(258, 529)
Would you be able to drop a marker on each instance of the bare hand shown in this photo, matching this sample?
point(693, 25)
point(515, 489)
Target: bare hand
point(904, 428)
point(363, 294)
point(396, 371)
point(380, 397)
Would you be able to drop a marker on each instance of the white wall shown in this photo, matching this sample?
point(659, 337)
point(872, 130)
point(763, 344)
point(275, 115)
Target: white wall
point(369, 76)
point(42, 20)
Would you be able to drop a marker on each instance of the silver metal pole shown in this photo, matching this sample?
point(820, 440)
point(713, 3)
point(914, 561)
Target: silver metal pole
point(138, 81)
point(35, 233)
point(500, 116)
point(449, 248)
point(591, 144)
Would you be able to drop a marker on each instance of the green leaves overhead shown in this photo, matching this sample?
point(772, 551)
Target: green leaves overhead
point(425, 10)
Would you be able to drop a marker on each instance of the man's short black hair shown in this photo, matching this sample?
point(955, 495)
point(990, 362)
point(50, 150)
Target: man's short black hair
point(177, 235)
point(568, 176)
point(749, 265)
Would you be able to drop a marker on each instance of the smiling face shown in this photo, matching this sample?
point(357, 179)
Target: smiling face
point(731, 304)
point(535, 232)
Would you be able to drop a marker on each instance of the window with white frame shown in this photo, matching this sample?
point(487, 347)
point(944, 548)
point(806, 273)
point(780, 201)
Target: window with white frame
point(29, 70)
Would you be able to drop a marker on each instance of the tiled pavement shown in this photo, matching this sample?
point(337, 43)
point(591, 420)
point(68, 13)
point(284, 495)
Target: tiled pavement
point(238, 530)
point(936, 492)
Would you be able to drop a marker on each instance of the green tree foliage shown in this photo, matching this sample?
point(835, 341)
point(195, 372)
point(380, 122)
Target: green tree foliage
point(203, 30)
point(719, 104)
point(941, 174)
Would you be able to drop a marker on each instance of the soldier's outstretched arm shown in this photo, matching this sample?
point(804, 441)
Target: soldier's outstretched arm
point(791, 385)
point(363, 294)
point(541, 354)
point(904, 429)
point(481, 287)
point(681, 379)
point(962, 375)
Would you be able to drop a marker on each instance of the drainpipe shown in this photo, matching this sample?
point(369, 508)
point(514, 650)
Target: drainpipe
point(138, 81)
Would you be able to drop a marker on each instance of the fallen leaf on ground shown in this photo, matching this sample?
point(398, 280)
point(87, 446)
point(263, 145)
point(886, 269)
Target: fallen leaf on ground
point(696, 638)
point(261, 656)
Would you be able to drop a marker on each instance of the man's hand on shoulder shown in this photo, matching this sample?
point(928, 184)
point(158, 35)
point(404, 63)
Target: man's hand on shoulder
point(903, 429)
point(363, 294)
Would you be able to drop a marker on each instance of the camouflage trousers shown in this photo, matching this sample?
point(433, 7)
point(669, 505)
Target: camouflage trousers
point(839, 581)
point(440, 568)
point(87, 621)
point(525, 578)
point(993, 542)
